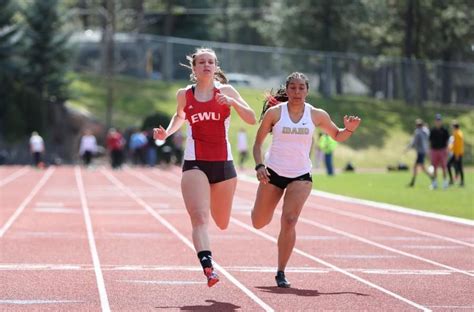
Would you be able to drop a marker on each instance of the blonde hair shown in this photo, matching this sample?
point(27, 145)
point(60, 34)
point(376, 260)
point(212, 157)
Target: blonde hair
point(219, 73)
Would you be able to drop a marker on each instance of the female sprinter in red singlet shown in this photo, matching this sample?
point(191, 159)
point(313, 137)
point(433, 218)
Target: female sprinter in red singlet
point(209, 178)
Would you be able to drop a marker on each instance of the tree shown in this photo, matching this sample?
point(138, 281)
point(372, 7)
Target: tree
point(10, 114)
point(47, 58)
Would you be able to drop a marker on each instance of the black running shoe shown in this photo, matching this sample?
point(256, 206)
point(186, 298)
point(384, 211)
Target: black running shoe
point(281, 280)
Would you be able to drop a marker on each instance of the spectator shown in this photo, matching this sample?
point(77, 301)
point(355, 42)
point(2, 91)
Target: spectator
point(36, 149)
point(242, 146)
point(151, 150)
point(457, 149)
point(88, 147)
point(318, 153)
point(327, 146)
point(178, 142)
point(137, 147)
point(439, 137)
point(420, 142)
point(115, 145)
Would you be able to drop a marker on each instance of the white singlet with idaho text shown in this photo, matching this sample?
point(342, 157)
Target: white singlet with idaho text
point(291, 145)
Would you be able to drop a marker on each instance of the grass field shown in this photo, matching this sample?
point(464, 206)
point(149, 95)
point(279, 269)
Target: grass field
point(390, 187)
point(380, 141)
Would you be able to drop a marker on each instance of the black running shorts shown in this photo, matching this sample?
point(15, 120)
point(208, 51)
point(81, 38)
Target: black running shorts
point(282, 182)
point(216, 171)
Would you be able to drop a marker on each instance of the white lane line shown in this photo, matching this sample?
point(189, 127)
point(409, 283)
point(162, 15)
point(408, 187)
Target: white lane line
point(24, 302)
point(378, 205)
point(378, 221)
point(170, 227)
point(26, 201)
point(390, 224)
point(452, 307)
point(367, 241)
point(320, 261)
point(13, 176)
point(104, 301)
point(57, 210)
point(418, 247)
point(366, 282)
point(167, 268)
point(50, 204)
point(360, 256)
point(163, 282)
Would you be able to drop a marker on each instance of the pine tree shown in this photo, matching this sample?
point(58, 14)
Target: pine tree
point(10, 114)
point(47, 57)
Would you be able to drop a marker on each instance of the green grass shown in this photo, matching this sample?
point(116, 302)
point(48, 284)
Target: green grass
point(385, 130)
point(380, 141)
point(390, 187)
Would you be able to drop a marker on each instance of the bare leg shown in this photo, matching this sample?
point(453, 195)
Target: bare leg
point(222, 195)
point(266, 201)
point(196, 194)
point(296, 194)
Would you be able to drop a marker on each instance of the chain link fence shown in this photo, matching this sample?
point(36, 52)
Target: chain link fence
point(414, 81)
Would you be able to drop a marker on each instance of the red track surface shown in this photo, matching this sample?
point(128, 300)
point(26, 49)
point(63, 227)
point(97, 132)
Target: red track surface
point(90, 240)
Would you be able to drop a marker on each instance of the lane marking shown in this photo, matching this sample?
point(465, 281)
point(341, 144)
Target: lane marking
point(50, 204)
point(255, 269)
point(377, 205)
point(19, 301)
point(117, 212)
point(14, 176)
point(163, 282)
point(367, 241)
point(57, 210)
point(366, 282)
point(470, 307)
point(431, 247)
point(390, 224)
point(26, 201)
point(104, 301)
point(361, 256)
point(320, 261)
point(170, 227)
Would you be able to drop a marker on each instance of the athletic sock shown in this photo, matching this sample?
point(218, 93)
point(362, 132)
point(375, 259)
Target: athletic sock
point(205, 257)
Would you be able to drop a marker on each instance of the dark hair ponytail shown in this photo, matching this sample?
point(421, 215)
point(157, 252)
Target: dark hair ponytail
point(272, 99)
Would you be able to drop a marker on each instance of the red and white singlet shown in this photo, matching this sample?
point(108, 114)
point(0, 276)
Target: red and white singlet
point(208, 125)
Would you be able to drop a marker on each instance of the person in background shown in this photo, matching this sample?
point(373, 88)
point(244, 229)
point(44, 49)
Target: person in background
point(138, 146)
point(242, 146)
point(36, 149)
point(209, 177)
point(87, 147)
point(178, 145)
point(457, 149)
point(327, 146)
point(420, 142)
point(286, 171)
point(115, 145)
point(318, 153)
point(439, 137)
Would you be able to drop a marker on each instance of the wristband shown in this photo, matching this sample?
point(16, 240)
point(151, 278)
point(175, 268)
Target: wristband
point(259, 166)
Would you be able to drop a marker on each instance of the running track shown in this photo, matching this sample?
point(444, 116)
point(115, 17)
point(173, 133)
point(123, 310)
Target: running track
point(100, 240)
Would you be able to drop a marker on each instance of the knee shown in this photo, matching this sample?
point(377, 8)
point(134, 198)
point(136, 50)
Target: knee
point(289, 221)
point(222, 225)
point(258, 223)
point(199, 218)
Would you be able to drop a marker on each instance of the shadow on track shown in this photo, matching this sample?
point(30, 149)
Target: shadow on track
point(305, 292)
point(214, 306)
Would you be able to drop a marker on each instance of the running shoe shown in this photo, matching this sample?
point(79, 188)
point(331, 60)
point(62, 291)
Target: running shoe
point(212, 277)
point(281, 280)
